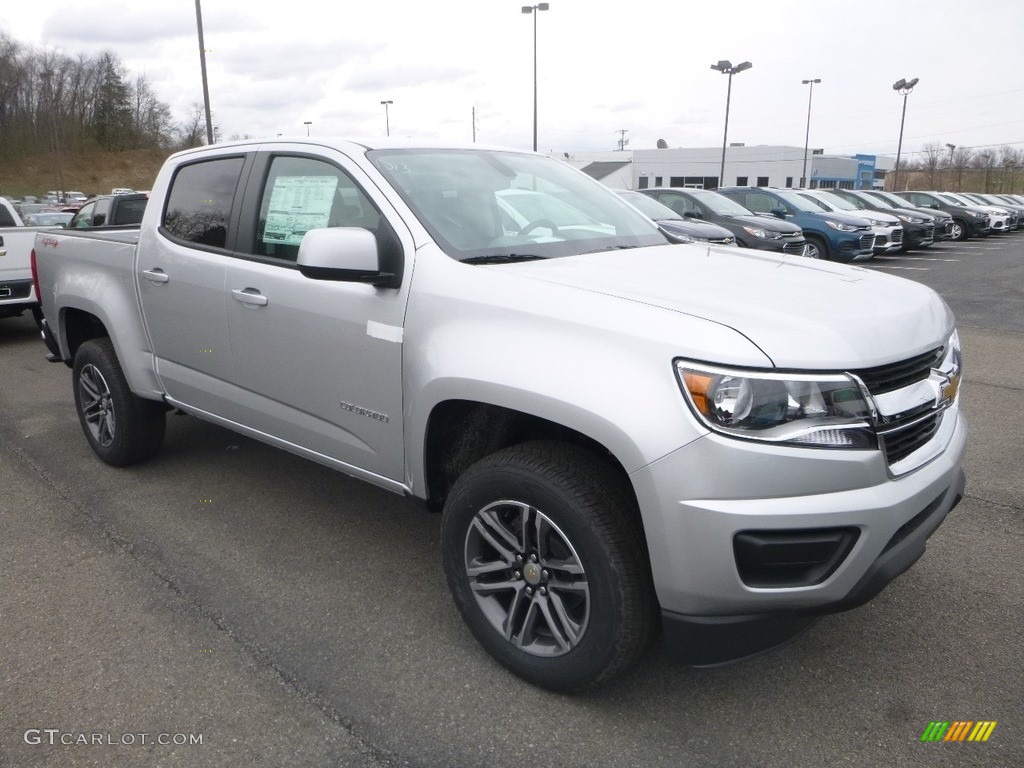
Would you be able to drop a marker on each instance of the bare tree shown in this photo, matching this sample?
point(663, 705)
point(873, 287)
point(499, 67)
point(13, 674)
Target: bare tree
point(931, 160)
point(1010, 160)
point(985, 160)
point(191, 131)
point(962, 157)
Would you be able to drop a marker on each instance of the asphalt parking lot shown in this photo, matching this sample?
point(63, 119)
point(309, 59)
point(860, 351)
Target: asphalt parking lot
point(284, 615)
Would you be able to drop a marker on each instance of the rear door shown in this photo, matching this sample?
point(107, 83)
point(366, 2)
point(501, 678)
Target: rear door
point(318, 363)
point(181, 278)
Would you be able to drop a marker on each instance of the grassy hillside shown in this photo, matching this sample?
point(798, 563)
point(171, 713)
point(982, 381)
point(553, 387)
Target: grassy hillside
point(95, 173)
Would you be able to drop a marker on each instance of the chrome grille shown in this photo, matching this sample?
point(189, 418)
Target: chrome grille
point(867, 242)
point(897, 236)
point(793, 248)
point(893, 376)
point(901, 441)
point(904, 433)
point(929, 233)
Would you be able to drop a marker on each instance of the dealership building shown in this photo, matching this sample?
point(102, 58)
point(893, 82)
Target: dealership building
point(760, 166)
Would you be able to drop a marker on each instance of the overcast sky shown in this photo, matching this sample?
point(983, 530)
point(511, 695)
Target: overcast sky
point(642, 65)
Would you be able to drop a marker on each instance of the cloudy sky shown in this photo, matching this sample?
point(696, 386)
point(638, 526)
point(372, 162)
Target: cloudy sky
point(642, 66)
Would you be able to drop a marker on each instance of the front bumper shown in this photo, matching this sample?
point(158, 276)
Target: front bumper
point(697, 500)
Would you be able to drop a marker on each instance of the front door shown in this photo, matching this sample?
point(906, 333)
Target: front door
point(317, 363)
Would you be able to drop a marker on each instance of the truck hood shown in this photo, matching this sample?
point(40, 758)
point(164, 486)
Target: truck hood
point(801, 313)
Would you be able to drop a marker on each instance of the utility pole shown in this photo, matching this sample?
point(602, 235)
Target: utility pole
point(202, 65)
point(623, 141)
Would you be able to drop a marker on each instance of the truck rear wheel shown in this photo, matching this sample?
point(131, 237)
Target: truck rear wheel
point(545, 559)
point(121, 427)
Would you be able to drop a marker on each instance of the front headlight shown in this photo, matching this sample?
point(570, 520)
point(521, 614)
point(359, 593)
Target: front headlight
point(760, 234)
point(807, 410)
point(841, 226)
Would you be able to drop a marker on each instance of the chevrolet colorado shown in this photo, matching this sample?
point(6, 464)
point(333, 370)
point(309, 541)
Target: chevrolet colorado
point(621, 435)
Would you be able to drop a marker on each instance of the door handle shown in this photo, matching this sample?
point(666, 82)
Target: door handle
point(250, 296)
point(156, 275)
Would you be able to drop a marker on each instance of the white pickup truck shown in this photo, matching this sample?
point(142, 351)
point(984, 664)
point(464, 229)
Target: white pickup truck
point(622, 435)
point(17, 292)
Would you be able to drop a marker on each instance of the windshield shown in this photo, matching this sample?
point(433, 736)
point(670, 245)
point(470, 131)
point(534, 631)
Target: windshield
point(887, 201)
point(801, 203)
point(649, 207)
point(719, 204)
point(949, 198)
point(837, 202)
point(479, 204)
point(896, 200)
point(823, 205)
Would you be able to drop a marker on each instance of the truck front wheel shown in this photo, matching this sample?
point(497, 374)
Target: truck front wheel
point(121, 427)
point(545, 559)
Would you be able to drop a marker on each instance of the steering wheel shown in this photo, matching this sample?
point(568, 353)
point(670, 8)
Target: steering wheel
point(536, 223)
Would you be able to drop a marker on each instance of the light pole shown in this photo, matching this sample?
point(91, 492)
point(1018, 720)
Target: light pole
point(307, 123)
point(532, 9)
point(726, 68)
point(807, 136)
point(951, 148)
point(202, 67)
point(387, 120)
point(902, 87)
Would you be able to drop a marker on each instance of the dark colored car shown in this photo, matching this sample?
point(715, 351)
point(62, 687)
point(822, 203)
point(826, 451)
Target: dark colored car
point(830, 235)
point(110, 211)
point(967, 220)
point(918, 226)
point(680, 227)
point(1017, 209)
point(766, 233)
point(943, 221)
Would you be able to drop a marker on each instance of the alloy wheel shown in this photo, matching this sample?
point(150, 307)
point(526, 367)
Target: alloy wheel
point(97, 406)
point(527, 579)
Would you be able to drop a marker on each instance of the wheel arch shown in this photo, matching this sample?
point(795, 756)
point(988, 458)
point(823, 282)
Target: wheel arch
point(78, 322)
point(459, 432)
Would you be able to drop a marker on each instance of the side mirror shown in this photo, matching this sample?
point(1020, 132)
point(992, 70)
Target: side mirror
point(343, 254)
point(779, 213)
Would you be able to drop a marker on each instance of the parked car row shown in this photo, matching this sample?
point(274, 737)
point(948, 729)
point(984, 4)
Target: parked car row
point(838, 224)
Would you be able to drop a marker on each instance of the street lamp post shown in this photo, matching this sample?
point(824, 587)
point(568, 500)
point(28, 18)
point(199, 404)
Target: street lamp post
point(902, 87)
point(951, 148)
point(807, 136)
point(532, 9)
point(307, 123)
point(387, 120)
point(202, 67)
point(726, 68)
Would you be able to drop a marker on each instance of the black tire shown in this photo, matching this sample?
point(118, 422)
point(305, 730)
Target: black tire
point(961, 231)
point(586, 626)
point(121, 427)
point(819, 246)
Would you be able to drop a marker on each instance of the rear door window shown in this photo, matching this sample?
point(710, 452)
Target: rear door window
point(200, 200)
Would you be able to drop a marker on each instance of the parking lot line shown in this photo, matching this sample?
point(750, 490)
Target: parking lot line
point(922, 258)
point(886, 266)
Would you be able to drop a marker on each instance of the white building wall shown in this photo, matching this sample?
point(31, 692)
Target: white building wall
point(782, 165)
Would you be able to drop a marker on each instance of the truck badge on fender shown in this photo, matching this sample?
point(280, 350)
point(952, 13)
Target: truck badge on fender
point(377, 415)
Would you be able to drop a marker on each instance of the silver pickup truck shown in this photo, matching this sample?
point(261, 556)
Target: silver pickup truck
point(622, 435)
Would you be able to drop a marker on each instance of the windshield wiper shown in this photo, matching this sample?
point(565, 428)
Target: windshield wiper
point(616, 247)
point(501, 258)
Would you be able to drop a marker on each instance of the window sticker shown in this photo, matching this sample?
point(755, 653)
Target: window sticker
point(297, 205)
